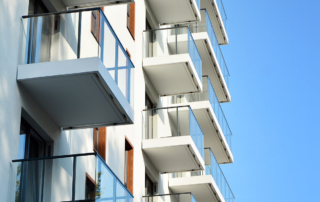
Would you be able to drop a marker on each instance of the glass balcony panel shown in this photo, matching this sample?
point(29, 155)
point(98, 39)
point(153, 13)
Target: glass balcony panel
point(196, 133)
point(46, 179)
point(222, 13)
point(207, 94)
point(206, 26)
point(211, 168)
point(214, 169)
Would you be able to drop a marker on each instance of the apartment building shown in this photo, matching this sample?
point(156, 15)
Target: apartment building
point(113, 100)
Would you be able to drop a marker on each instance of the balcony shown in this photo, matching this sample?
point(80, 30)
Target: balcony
point(76, 69)
point(172, 139)
point(165, 11)
point(213, 123)
point(172, 61)
point(183, 197)
point(210, 185)
point(213, 63)
point(218, 18)
point(65, 178)
point(93, 3)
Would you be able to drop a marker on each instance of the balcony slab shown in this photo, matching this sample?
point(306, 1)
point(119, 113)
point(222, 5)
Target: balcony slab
point(203, 188)
point(173, 74)
point(173, 154)
point(77, 93)
point(174, 12)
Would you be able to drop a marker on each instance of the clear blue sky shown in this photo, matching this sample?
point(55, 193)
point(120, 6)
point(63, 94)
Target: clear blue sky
point(273, 58)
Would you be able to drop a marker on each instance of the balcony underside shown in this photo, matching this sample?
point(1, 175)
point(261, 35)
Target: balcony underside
point(203, 188)
point(216, 20)
point(165, 11)
point(173, 154)
point(172, 75)
point(76, 93)
point(209, 126)
point(208, 68)
point(93, 3)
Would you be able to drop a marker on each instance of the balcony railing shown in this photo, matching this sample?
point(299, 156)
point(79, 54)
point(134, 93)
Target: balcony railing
point(172, 122)
point(76, 34)
point(156, 44)
point(64, 178)
point(214, 169)
point(183, 197)
point(222, 12)
point(206, 26)
point(208, 94)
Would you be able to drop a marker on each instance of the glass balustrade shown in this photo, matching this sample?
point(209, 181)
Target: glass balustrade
point(210, 95)
point(212, 168)
point(173, 122)
point(65, 178)
point(206, 26)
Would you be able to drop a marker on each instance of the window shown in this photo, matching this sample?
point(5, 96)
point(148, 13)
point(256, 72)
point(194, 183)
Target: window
point(100, 141)
point(95, 24)
point(128, 165)
point(149, 186)
point(131, 19)
point(90, 188)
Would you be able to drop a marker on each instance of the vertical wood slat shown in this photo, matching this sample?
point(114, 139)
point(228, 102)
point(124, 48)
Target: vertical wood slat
point(132, 20)
point(100, 141)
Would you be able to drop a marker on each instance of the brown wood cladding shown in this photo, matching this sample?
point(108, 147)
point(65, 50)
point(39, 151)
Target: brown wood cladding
point(132, 19)
point(130, 149)
point(95, 24)
point(101, 142)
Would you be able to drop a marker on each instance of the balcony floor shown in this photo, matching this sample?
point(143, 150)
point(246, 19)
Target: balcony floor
point(173, 74)
point(203, 187)
point(76, 93)
point(165, 11)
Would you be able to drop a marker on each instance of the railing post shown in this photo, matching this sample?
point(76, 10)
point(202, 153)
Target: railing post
point(74, 178)
point(176, 32)
point(79, 35)
point(178, 125)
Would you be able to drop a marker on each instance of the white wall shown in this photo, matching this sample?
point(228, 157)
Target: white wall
point(13, 98)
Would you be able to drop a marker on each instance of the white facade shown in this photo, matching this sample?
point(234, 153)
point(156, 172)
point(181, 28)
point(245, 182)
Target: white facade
point(74, 135)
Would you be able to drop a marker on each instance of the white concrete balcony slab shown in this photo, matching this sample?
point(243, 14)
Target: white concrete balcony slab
point(203, 188)
point(80, 79)
point(173, 140)
point(206, 108)
point(172, 67)
point(93, 3)
point(218, 18)
point(165, 11)
point(210, 185)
